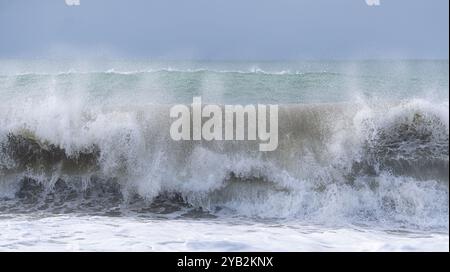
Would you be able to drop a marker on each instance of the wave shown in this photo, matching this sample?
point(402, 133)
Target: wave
point(334, 162)
point(172, 70)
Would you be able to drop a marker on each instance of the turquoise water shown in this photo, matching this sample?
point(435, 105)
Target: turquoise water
point(230, 82)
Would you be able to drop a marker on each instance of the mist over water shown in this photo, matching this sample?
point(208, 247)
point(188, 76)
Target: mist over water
point(360, 143)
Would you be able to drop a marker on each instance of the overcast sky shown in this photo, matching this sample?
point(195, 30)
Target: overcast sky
point(224, 29)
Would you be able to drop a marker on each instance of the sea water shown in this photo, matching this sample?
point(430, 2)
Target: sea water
point(87, 161)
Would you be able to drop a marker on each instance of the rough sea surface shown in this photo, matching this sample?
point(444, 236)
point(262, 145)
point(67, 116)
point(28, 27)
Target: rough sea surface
point(87, 162)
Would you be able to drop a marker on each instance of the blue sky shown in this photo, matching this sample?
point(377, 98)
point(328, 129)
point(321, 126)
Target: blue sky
point(224, 29)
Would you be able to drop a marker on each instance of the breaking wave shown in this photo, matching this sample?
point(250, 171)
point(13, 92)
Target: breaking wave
point(337, 162)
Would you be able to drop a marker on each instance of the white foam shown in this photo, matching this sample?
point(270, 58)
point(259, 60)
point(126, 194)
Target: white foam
point(86, 233)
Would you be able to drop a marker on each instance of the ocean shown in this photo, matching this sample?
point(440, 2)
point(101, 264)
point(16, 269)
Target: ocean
point(87, 162)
